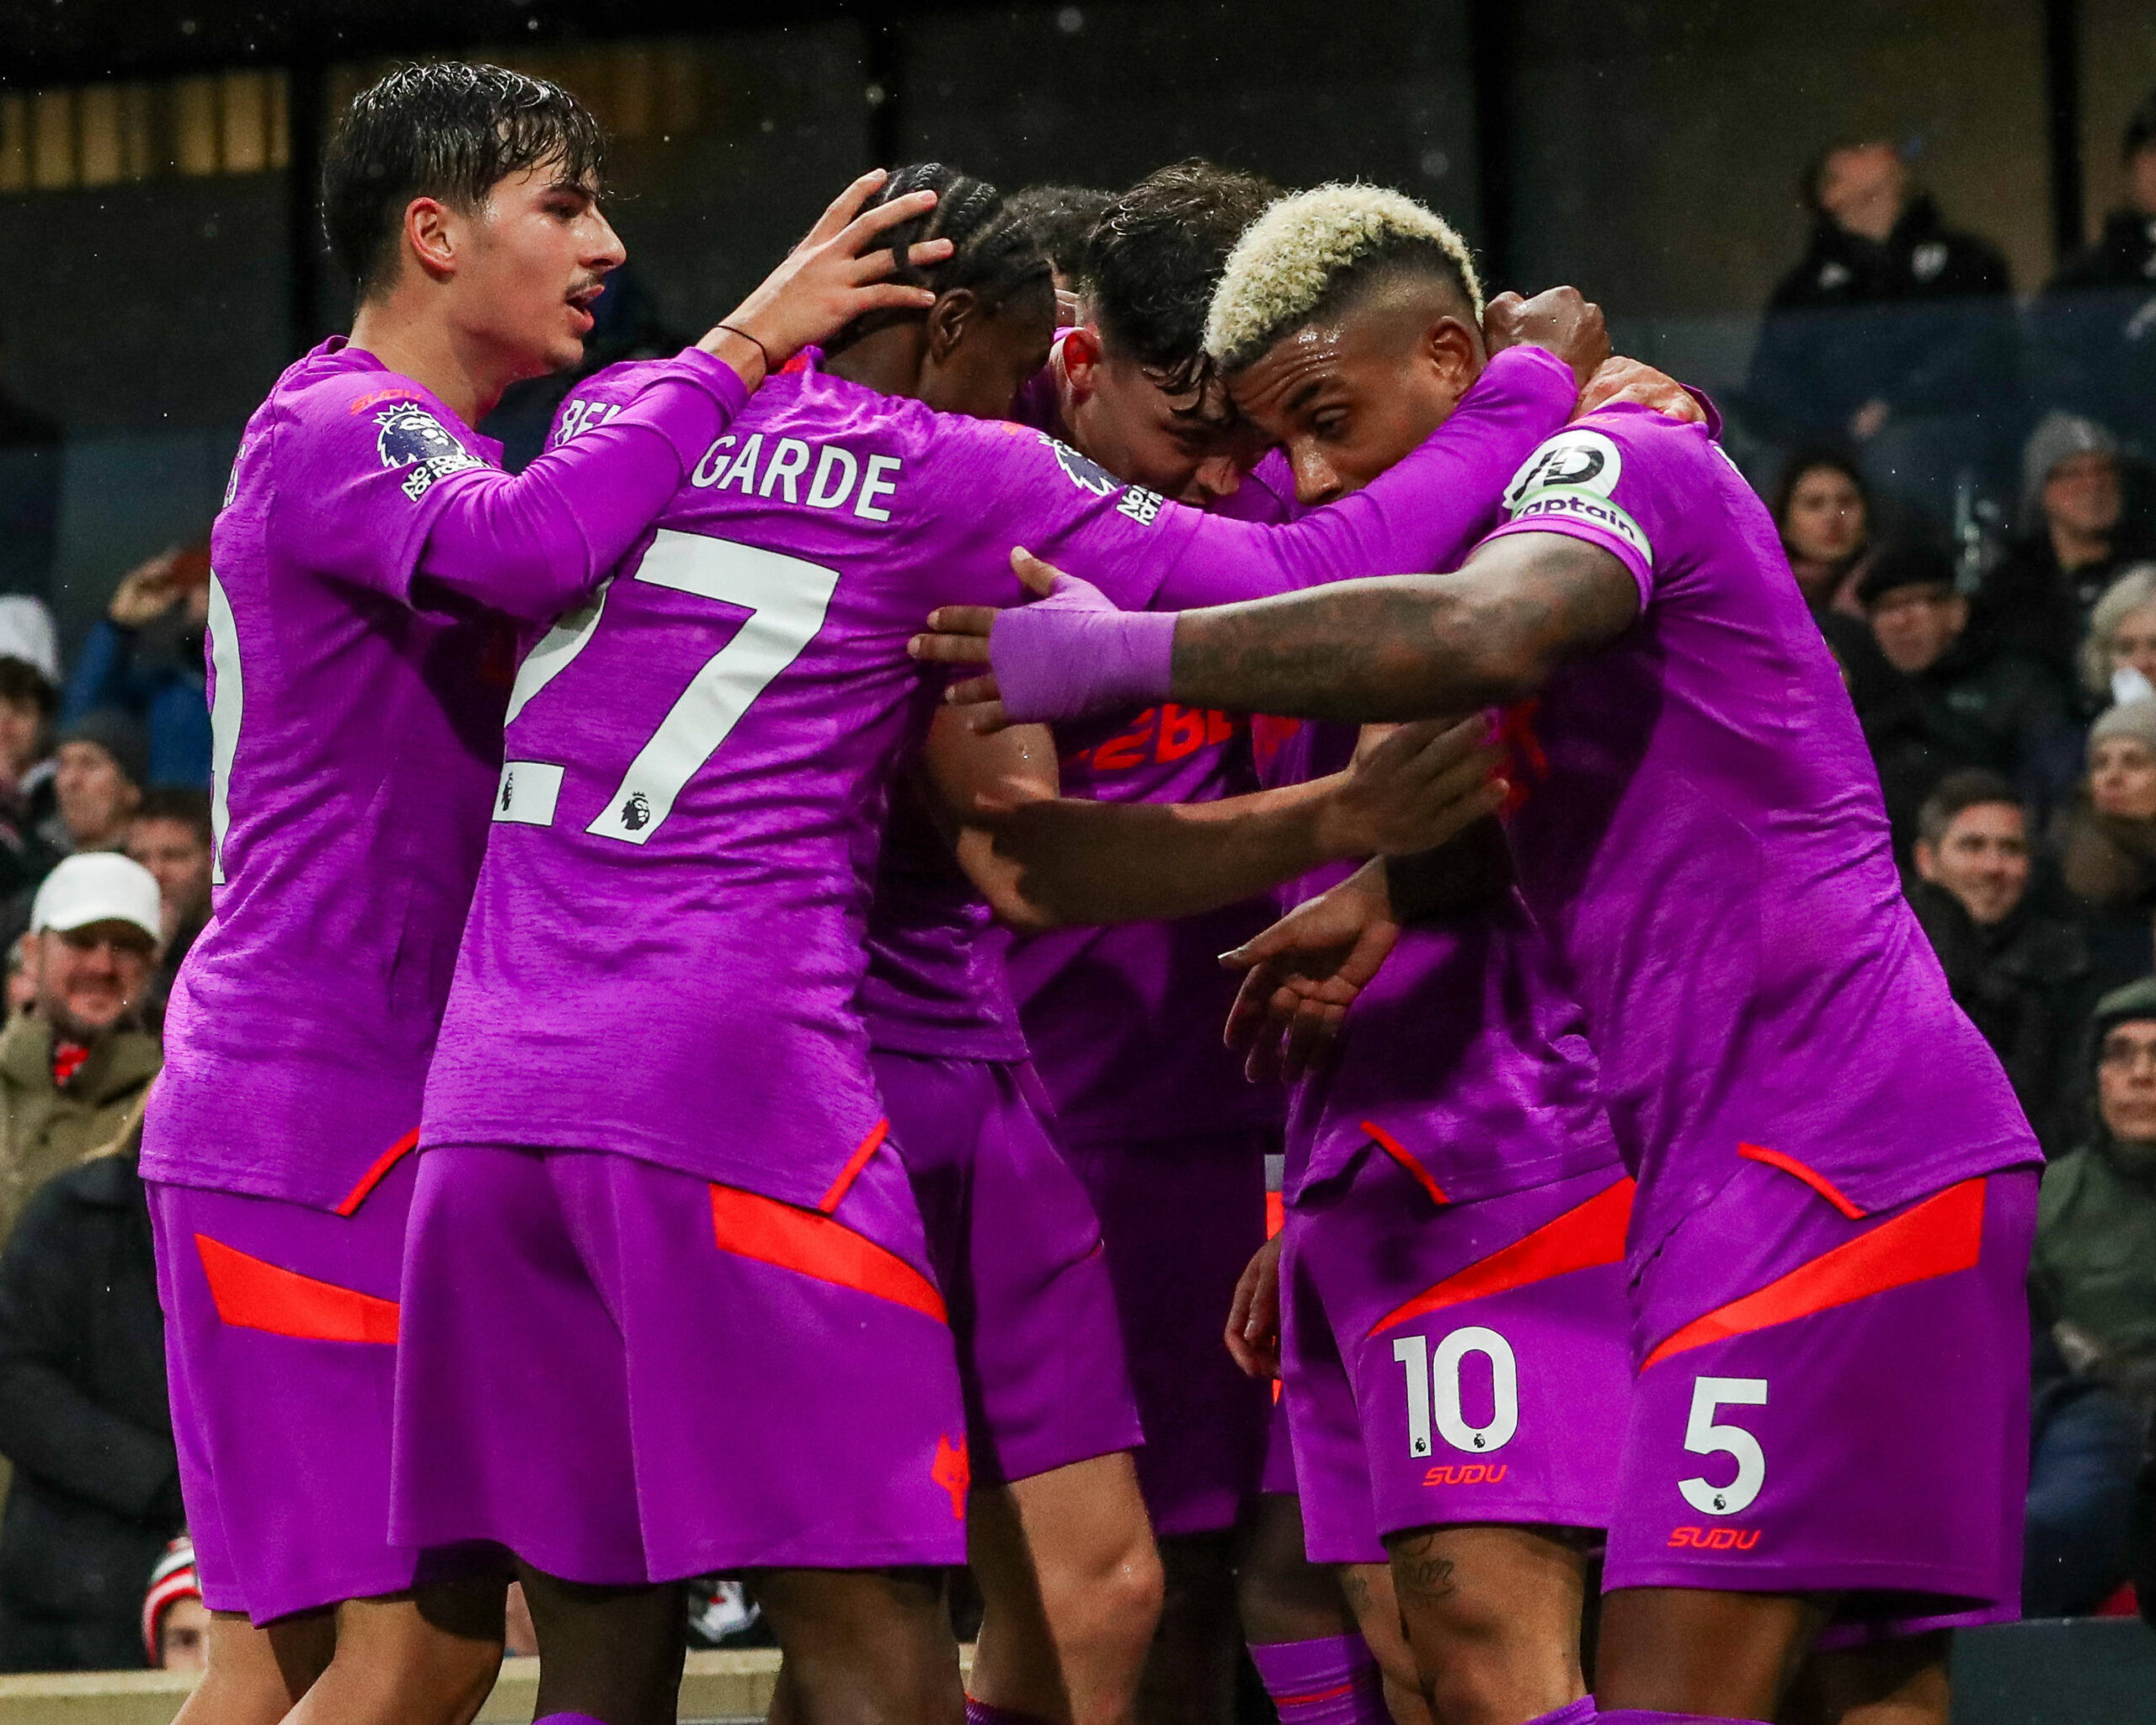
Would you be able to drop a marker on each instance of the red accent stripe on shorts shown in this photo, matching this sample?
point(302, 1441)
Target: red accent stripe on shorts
point(374, 1176)
point(1585, 1237)
point(1399, 1152)
point(1942, 1235)
point(1313, 1696)
point(1811, 1176)
point(751, 1225)
point(854, 1164)
point(253, 1294)
point(1276, 1214)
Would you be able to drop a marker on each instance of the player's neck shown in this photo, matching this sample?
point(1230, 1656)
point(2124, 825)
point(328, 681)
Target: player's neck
point(416, 341)
point(886, 361)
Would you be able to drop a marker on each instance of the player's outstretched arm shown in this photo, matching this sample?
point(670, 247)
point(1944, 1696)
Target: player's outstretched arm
point(1044, 861)
point(535, 544)
point(1402, 647)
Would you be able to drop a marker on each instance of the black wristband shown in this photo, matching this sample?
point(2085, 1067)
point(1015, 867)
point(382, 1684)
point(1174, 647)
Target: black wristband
point(731, 330)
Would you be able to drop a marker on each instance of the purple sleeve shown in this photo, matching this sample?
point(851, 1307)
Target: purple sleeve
point(1620, 480)
point(1419, 517)
point(535, 545)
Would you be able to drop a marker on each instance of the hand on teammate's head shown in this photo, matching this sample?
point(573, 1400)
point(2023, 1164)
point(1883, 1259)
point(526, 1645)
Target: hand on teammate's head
point(835, 275)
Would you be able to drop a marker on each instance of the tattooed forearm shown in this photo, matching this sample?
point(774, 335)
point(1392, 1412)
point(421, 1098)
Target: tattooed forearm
point(1410, 646)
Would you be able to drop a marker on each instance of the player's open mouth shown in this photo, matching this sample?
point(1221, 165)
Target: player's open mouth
point(581, 302)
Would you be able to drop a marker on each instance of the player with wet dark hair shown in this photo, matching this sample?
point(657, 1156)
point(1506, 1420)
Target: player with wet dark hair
point(1060, 219)
point(372, 564)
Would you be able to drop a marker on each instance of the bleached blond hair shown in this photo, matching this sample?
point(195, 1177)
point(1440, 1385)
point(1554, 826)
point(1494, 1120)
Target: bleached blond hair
point(1298, 255)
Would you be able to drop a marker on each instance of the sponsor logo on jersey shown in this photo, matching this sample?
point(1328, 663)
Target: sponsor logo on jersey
point(1140, 505)
point(1466, 1473)
point(1714, 1539)
point(411, 437)
point(1086, 476)
point(1574, 460)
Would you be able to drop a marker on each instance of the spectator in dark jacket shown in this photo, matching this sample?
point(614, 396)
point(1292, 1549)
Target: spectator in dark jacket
point(2023, 976)
point(2104, 839)
point(2041, 595)
point(2095, 325)
point(84, 1418)
point(1939, 698)
point(1893, 322)
point(144, 658)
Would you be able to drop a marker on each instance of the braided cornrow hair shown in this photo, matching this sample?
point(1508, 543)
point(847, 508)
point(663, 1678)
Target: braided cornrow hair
point(995, 255)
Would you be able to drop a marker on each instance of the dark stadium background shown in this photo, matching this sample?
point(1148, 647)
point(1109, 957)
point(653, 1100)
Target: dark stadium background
point(161, 263)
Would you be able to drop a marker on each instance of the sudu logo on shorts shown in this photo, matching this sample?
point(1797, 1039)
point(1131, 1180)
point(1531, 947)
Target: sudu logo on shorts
point(1466, 1473)
point(1715, 1538)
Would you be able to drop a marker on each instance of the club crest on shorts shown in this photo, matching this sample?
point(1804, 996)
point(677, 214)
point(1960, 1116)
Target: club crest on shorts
point(411, 437)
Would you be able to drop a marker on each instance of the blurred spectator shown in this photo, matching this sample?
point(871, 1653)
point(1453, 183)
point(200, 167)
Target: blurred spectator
point(28, 701)
point(84, 1419)
point(2093, 1279)
point(73, 1067)
point(1824, 512)
point(2118, 658)
point(174, 1620)
point(2095, 323)
point(2040, 594)
point(1895, 334)
point(144, 658)
point(1941, 697)
point(2105, 841)
point(100, 767)
point(170, 837)
point(2024, 977)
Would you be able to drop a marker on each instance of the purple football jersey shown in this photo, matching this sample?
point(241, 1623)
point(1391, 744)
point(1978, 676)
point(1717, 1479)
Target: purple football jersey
point(665, 944)
point(1463, 1054)
point(358, 669)
point(1701, 840)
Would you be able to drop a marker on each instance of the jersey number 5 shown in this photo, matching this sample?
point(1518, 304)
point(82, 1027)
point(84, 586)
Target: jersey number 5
point(787, 599)
point(1702, 1436)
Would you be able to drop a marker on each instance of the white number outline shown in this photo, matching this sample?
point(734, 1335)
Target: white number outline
point(226, 706)
point(1433, 1391)
point(787, 599)
point(1504, 1383)
point(1703, 1437)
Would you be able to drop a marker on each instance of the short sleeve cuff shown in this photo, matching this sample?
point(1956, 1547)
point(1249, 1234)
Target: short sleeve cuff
point(1607, 538)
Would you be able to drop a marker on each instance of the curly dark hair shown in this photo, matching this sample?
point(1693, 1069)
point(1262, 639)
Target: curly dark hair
point(995, 257)
point(447, 130)
point(1157, 255)
point(1061, 219)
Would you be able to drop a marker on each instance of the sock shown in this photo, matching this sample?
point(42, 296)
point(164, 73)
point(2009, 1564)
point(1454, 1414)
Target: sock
point(1330, 1681)
point(983, 1713)
point(1640, 1716)
point(569, 1719)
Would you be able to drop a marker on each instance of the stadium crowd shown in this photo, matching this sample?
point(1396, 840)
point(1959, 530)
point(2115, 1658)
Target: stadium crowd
point(1965, 490)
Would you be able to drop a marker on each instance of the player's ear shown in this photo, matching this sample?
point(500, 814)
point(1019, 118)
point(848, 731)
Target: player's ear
point(949, 318)
point(428, 236)
point(1454, 349)
point(1081, 355)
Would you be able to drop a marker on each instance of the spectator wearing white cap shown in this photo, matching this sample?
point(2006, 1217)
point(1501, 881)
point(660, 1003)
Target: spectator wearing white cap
point(73, 1066)
point(2104, 838)
point(2074, 543)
